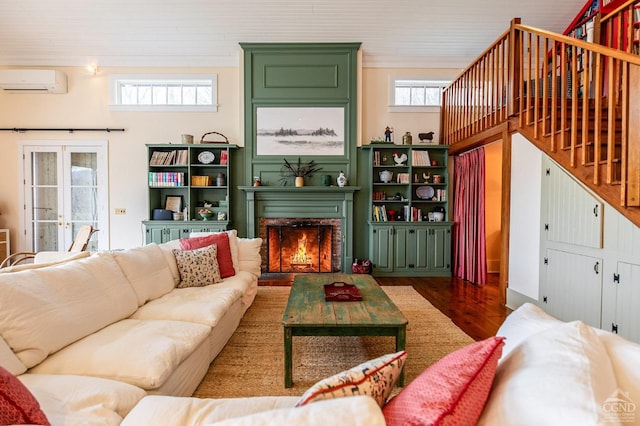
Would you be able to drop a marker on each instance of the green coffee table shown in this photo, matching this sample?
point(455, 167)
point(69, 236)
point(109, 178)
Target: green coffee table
point(308, 314)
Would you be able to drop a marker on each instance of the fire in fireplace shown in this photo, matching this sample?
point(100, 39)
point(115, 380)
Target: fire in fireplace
point(299, 247)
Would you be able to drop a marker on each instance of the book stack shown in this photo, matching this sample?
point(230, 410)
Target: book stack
point(412, 214)
point(402, 178)
point(200, 180)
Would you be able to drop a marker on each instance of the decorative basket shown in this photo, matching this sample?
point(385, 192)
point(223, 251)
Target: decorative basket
point(214, 141)
point(361, 266)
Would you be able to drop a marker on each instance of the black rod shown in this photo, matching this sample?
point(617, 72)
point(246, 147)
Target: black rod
point(23, 130)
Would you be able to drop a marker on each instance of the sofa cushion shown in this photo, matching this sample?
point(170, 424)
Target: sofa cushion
point(267, 411)
point(47, 309)
point(559, 376)
point(355, 411)
point(82, 400)
point(199, 267)
point(249, 258)
point(17, 404)
point(9, 361)
point(522, 323)
point(375, 378)
point(147, 270)
point(451, 391)
point(223, 255)
point(141, 353)
point(202, 305)
point(625, 359)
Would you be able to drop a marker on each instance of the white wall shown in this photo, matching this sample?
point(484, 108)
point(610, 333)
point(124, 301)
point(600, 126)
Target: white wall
point(86, 105)
point(524, 234)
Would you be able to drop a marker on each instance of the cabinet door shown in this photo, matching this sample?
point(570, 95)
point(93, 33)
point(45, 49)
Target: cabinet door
point(411, 251)
point(627, 302)
point(154, 234)
point(438, 249)
point(573, 287)
point(172, 233)
point(382, 248)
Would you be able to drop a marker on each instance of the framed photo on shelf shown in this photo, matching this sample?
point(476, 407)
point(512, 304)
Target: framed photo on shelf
point(173, 203)
point(300, 131)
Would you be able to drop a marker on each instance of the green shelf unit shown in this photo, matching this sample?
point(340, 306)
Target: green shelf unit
point(406, 237)
point(191, 173)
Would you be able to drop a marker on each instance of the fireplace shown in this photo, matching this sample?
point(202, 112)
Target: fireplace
point(299, 247)
point(304, 207)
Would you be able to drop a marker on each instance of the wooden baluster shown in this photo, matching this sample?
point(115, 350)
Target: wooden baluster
point(574, 103)
point(597, 117)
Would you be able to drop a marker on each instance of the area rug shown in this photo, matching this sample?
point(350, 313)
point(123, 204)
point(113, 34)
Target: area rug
point(251, 364)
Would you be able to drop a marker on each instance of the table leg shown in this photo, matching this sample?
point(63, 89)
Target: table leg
point(401, 337)
point(288, 367)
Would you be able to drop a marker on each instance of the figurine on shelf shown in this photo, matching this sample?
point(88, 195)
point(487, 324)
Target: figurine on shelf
point(400, 159)
point(387, 134)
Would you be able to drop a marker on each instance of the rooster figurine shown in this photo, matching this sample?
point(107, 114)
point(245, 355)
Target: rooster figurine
point(400, 160)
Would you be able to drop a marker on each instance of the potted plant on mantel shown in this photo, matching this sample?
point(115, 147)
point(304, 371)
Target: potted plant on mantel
point(298, 171)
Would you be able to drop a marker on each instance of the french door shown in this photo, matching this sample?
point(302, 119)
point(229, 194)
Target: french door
point(65, 187)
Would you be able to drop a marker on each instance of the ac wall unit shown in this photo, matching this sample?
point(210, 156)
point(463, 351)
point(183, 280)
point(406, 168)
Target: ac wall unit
point(33, 81)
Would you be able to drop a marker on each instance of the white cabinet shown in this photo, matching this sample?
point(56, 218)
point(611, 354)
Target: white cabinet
point(572, 288)
point(573, 215)
point(625, 284)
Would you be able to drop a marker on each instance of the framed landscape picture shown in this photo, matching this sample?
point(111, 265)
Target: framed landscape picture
point(300, 131)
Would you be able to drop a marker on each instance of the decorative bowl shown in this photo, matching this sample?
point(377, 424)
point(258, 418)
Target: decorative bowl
point(206, 215)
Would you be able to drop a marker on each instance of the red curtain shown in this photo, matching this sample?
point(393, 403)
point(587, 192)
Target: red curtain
point(469, 242)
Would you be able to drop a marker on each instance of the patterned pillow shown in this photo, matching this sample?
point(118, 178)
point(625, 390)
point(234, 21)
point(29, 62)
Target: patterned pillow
point(375, 378)
point(199, 267)
point(454, 390)
point(17, 405)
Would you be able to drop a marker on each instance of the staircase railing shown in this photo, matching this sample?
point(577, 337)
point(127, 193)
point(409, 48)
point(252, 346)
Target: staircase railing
point(577, 101)
point(616, 29)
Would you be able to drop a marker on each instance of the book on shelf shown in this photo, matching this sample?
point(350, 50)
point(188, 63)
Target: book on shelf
point(379, 213)
point(169, 158)
point(165, 179)
point(402, 178)
point(420, 158)
point(224, 157)
point(376, 158)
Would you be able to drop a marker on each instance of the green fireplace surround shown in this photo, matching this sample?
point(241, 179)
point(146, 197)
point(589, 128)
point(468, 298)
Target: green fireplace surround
point(301, 75)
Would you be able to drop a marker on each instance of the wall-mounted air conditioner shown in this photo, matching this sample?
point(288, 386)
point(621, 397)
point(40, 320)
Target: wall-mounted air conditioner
point(33, 81)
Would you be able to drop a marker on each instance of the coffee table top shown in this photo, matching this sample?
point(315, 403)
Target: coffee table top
point(306, 306)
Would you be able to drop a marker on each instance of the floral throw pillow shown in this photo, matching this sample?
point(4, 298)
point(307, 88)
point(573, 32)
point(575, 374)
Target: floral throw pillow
point(375, 378)
point(199, 267)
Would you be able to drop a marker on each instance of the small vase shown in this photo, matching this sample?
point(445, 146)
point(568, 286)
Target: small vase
point(341, 180)
point(299, 181)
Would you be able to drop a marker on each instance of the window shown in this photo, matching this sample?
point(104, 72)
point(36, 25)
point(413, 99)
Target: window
point(164, 92)
point(412, 94)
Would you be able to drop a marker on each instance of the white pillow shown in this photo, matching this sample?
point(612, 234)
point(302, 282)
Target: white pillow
point(525, 321)
point(560, 376)
point(249, 258)
point(353, 411)
point(147, 270)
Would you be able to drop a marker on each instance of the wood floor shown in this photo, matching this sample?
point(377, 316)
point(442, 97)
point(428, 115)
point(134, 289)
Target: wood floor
point(475, 309)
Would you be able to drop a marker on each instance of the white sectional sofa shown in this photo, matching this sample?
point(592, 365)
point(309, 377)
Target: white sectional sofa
point(92, 336)
point(110, 340)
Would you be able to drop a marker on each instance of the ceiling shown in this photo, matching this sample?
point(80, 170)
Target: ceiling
point(193, 33)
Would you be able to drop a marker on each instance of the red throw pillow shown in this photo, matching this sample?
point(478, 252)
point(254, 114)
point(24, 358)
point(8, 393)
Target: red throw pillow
point(454, 390)
point(221, 239)
point(17, 405)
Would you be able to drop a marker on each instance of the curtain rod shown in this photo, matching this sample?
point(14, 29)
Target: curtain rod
point(23, 130)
